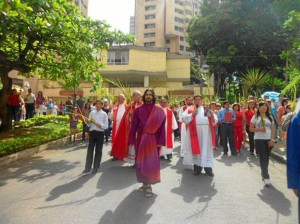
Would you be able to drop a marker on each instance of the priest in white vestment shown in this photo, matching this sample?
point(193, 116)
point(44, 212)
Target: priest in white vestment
point(182, 127)
point(199, 137)
point(170, 126)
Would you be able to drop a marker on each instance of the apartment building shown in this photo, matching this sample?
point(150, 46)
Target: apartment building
point(142, 67)
point(132, 26)
point(163, 23)
point(83, 5)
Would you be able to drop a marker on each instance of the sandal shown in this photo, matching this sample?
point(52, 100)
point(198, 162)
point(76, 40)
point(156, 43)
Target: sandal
point(142, 188)
point(148, 192)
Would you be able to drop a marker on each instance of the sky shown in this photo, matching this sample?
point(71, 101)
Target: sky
point(116, 12)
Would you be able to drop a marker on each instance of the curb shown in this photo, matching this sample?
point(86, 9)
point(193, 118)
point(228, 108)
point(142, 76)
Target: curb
point(278, 157)
point(32, 151)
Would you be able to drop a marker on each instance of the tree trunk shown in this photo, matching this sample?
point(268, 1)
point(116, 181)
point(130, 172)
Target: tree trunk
point(6, 123)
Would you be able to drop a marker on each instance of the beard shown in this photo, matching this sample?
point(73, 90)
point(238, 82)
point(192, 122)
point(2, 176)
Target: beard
point(149, 100)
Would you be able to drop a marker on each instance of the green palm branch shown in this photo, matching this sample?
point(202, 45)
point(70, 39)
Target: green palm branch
point(124, 87)
point(253, 80)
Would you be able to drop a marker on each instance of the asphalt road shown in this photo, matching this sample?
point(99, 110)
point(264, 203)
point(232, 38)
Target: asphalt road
point(49, 188)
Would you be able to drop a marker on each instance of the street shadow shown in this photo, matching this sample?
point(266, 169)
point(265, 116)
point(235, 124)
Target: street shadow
point(115, 177)
point(229, 160)
point(67, 188)
point(77, 147)
point(193, 187)
point(132, 210)
point(276, 199)
point(33, 169)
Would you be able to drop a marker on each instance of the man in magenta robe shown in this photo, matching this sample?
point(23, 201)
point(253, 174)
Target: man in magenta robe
point(149, 125)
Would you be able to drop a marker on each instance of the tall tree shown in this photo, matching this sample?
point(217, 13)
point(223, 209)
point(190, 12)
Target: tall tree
point(237, 35)
point(51, 39)
point(292, 54)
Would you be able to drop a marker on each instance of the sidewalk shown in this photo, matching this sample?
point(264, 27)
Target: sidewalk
point(279, 151)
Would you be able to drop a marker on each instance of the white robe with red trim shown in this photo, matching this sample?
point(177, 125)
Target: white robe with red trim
point(205, 158)
point(164, 150)
point(182, 131)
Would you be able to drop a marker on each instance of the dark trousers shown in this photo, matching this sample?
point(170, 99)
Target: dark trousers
point(29, 110)
point(251, 138)
point(15, 112)
point(264, 152)
point(95, 144)
point(85, 129)
point(107, 131)
point(227, 133)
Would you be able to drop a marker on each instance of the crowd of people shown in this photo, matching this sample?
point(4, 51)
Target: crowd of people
point(143, 131)
point(200, 128)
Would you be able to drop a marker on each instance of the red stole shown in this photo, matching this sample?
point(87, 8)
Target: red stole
point(169, 128)
point(195, 144)
point(120, 137)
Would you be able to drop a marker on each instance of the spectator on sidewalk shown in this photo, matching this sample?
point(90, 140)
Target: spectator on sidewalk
point(29, 104)
point(50, 107)
point(14, 103)
point(40, 100)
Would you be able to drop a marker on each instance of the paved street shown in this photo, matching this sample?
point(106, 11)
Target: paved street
point(48, 188)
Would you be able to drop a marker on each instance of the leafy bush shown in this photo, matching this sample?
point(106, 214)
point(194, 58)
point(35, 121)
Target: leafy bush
point(34, 137)
point(40, 120)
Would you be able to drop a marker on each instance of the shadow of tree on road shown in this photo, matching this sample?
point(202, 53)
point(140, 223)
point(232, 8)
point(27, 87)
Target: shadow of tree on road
point(33, 169)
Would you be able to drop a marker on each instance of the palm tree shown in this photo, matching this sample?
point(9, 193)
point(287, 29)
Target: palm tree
point(294, 82)
point(253, 80)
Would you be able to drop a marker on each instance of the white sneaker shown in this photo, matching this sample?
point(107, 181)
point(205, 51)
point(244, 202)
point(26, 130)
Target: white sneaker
point(267, 182)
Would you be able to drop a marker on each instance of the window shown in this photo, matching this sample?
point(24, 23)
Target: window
point(188, 12)
point(150, 7)
point(179, 11)
point(168, 41)
point(149, 44)
point(168, 49)
point(188, 49)
point(149, 0)
point(179, 20)
point(147, 35)
point(181, 38)
point(151, 16)
point(150, 25)
point(118, 58)
point(179, 2)
point(181, 48)
point(180, 29)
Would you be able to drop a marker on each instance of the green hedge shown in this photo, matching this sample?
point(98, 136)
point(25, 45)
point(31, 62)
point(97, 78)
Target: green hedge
point(28, 135)
point(40, 120)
